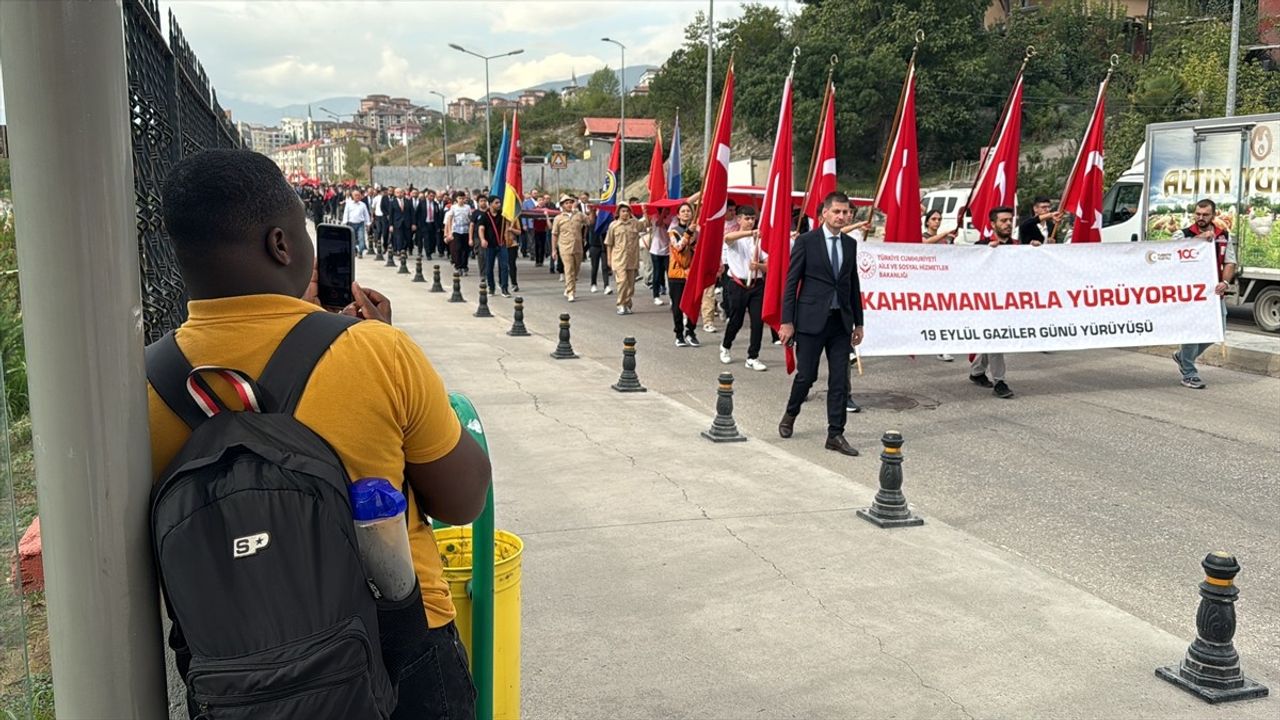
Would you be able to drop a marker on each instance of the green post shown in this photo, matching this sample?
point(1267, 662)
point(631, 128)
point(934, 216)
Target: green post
point(481, 573)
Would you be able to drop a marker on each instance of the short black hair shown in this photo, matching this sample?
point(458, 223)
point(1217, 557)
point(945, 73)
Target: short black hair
point(1209, 204)
point(1041, 199)
point(991, 216)
point(221, 196)
point(746, 211)
point(834, 197)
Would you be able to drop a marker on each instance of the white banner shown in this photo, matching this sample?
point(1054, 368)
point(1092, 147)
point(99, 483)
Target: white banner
point(930, 299)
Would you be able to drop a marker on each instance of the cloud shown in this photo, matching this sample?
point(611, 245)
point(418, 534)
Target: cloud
point(552, 67)
point(287, 71)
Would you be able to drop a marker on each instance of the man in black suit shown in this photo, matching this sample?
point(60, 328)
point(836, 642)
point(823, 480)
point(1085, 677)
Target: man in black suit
point(427, 220)
point(1038, 227)
point(822, 313)
point(400, 217)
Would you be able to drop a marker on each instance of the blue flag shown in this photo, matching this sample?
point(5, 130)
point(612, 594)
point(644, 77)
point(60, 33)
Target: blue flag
point(609, 190)
point(499, 184)
point(673, 165)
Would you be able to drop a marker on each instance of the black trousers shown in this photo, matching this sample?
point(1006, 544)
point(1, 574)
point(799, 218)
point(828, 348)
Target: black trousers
point(541, 245)
point(401, 238)
point(437, 684)
point(739, 303)
point(836, 343)
point(679, 322)
point(599, 260)
point(459, 252)
point(511, 266)
point(660, 263)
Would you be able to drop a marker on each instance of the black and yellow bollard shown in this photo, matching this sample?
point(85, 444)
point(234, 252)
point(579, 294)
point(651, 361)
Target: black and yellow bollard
point(564, 351)
point(628, 381)
point(435, 280)
point(482, 307)
point(457, 288)
point(417, 271)
point(723, 428)
point(1211, 668)
point(404, 264)
point(517, 322)
point(889, 509)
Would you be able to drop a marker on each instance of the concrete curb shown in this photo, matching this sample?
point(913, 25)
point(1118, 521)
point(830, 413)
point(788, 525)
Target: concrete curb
point(1228, 357)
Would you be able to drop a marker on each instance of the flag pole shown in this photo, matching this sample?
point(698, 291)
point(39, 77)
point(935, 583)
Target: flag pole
point(1102, 90)
point(894, 131)
point(995, 133)
point(817, 138)
point(710, 157)
point(795, 55)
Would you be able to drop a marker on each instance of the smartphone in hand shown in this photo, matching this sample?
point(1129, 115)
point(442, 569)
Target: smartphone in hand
point(335, 265)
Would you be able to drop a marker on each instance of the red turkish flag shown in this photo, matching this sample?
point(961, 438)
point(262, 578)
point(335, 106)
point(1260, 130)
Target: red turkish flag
point(898, 196)
point(997, 183)
point(823, 181)
point(657, 176)
point(1083, 196)
point(714, 203)
point(775, 220)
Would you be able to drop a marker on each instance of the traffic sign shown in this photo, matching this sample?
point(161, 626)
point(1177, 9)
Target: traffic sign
point(559, 160)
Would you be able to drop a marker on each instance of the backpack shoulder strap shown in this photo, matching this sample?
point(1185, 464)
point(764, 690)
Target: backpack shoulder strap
point(290, 366)
point(167, 371)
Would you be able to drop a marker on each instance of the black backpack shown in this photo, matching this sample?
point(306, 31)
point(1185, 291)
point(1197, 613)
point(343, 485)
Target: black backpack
point(256, 549)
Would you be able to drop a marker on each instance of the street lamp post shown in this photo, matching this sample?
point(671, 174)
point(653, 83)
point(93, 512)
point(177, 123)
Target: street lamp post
point(622, 124)
point(488, 104)
point(444, 144)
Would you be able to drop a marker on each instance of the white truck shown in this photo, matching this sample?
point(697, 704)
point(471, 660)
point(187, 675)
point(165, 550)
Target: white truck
point(1234, 161)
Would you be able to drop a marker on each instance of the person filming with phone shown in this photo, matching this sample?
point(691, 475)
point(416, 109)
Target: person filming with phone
point(371, 395)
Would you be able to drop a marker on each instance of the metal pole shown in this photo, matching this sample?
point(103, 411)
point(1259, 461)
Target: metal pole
point(706, 121)
point(84, 352)
point(622, 132)
point(488, 133)
point(1233, 58)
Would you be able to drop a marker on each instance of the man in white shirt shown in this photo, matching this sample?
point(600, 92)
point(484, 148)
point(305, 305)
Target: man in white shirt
point(379, 220)
point(744, 286)
point(355, 215)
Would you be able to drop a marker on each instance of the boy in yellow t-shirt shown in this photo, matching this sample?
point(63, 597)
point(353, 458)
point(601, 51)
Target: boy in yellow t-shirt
point(240, 236)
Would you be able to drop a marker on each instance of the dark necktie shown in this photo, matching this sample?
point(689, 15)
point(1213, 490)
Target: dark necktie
point(835, 269)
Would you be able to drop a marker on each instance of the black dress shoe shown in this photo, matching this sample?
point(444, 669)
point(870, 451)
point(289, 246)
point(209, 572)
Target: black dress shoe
point(852, 405)
point(787, 426)
point(840, 445)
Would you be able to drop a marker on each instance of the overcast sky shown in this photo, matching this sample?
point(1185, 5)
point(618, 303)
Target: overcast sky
point(280, 53)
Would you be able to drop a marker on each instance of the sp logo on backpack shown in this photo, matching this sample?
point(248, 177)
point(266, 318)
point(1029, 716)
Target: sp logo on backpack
point(249, 544)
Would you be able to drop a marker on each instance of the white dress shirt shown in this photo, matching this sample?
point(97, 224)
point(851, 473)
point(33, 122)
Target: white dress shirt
point(355, 212)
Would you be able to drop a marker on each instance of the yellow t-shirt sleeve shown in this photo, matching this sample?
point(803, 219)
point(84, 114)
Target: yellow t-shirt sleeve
point(431, 430)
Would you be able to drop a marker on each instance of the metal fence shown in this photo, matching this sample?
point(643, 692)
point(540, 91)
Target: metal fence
point(174, 113)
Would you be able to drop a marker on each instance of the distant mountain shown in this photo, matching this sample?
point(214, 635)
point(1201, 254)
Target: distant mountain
point(633, 78)
point(251, 112)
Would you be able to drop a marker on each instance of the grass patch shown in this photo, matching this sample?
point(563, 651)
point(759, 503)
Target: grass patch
point(25, 635)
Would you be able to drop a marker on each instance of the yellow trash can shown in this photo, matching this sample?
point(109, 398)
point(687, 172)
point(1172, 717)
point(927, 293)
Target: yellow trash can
point(455, 555)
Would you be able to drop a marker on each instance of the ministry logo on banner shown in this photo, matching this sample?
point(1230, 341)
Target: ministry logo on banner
point(933, 299)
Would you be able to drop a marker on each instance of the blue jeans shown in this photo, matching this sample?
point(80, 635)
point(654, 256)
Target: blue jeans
point(496, 255)
point(1187, 354)
point(358, 229)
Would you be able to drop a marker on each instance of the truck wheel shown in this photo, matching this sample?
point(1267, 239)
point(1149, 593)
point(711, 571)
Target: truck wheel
point(1266, 309)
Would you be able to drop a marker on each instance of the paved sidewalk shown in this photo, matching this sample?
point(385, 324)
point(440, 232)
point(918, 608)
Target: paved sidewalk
point(666, 576)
